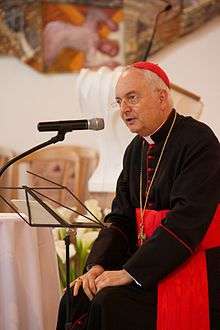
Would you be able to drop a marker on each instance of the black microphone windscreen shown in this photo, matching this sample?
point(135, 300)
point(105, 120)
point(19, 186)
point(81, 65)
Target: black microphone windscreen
point(71, 125)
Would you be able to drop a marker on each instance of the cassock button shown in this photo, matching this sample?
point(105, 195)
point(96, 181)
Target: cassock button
point(150, 157)
point(150, 169)
point(151, 146)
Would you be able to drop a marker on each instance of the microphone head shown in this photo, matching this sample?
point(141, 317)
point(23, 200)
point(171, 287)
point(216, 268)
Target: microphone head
point(96, 124)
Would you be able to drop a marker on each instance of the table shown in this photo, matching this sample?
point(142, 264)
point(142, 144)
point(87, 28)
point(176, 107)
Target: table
point(29, 281)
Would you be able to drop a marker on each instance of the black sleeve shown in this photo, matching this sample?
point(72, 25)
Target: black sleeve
point(193, 200)
point(115, 244)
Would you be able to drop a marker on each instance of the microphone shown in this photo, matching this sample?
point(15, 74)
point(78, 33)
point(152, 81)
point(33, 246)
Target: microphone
point(95, 124)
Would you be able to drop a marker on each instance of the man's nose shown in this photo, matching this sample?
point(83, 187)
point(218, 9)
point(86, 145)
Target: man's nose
point(125, 106)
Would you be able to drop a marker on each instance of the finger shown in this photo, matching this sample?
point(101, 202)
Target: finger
point(102, 283)
point(92, 285)
point(100, 279)
point(101, 286)
point(76, 287)
point(71, 285)
point(87, 290)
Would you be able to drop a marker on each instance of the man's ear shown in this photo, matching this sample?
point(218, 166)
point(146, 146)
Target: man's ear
point(163, 95)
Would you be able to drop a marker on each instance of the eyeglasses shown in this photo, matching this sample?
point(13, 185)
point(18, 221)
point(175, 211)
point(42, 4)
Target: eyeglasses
point(130, 99)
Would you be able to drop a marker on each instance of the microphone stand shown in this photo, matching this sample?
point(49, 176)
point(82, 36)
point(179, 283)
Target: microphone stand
point(59, 137)
point(68, 289)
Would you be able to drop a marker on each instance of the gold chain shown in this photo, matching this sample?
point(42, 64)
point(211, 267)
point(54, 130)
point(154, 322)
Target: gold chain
point(141, 235)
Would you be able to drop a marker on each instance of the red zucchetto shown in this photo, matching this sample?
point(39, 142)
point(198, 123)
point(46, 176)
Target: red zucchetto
point(154, 68)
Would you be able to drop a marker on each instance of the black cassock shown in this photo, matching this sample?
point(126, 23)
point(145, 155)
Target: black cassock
point(188, 184)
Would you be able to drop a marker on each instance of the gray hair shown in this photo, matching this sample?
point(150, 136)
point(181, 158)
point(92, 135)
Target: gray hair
point(155, 82)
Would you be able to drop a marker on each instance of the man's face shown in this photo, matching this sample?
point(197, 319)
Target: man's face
point(141, 107)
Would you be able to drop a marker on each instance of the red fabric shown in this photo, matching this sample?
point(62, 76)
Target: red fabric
point(154, 68)
point(183, 302)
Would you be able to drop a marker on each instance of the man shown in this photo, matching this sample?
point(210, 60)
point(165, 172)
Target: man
point(158, 264)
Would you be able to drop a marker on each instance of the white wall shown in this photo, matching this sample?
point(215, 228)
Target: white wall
point(193, 62)
point(27, 97)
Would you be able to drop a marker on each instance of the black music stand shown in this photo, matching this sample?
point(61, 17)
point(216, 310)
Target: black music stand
point(35, 194)
point(33, 207)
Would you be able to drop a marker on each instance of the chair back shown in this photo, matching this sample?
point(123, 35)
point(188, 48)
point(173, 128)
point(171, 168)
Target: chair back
point(68, 165)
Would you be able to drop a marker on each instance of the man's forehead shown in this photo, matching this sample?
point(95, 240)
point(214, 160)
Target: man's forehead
point(131, 73)
point(130, 80)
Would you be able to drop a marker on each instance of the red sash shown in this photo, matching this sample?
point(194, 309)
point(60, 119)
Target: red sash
point(183, 301)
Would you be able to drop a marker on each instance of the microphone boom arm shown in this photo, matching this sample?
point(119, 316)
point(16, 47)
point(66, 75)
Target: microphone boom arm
point(59, 137)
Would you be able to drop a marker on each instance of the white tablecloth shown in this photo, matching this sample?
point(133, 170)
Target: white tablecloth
point(29, 283)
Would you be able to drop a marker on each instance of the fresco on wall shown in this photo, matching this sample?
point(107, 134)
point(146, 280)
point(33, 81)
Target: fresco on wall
point(100, 3)
point(62, 36)
point(67, 35)
point(21, 31)
point(180, 18)
point(77, 36)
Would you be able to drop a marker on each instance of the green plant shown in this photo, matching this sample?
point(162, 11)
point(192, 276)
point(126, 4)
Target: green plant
point(80, 246)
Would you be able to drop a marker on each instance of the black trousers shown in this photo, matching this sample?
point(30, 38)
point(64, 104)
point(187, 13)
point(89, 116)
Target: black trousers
point(132, 308)
point(119, 308)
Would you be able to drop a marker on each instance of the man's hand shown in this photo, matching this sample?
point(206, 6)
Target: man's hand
point(113, 278)
point(88, 281)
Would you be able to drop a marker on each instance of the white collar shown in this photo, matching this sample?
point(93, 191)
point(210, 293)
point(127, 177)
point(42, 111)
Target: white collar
point(149, 139)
